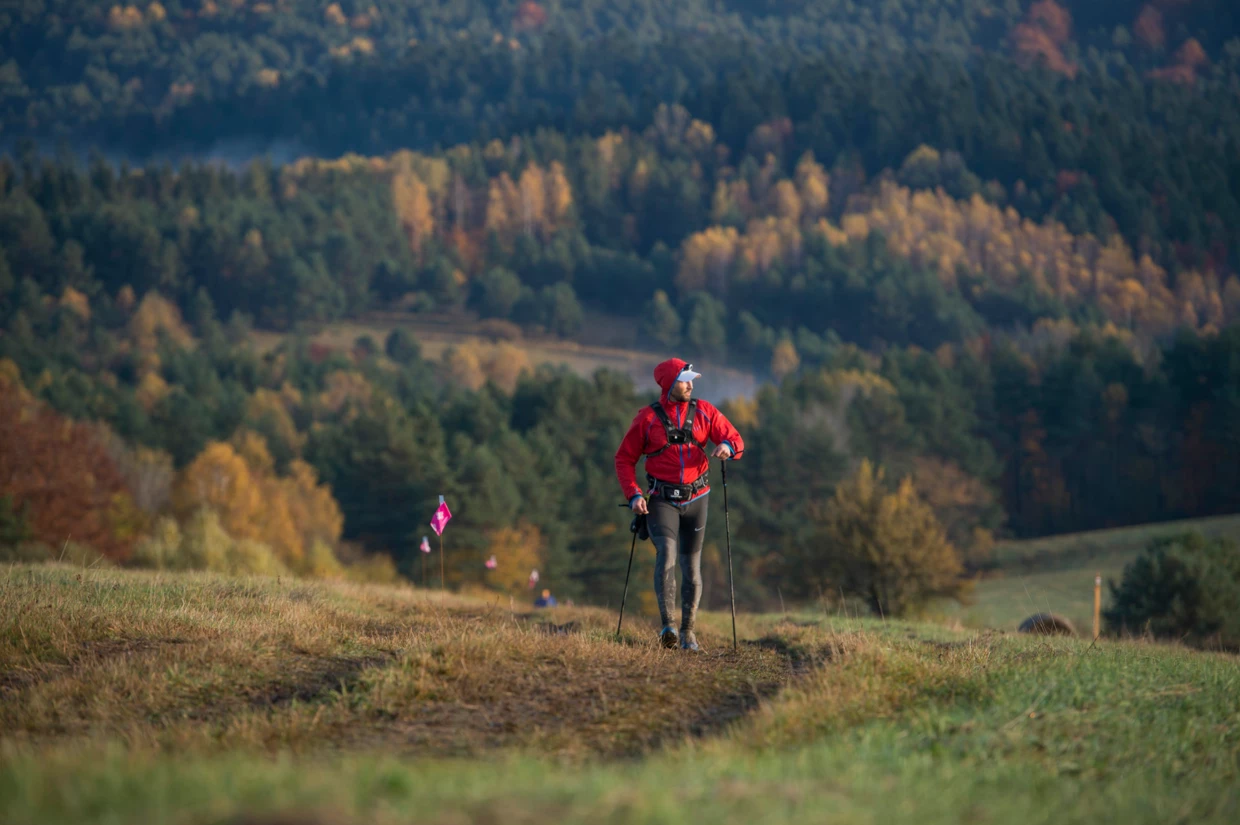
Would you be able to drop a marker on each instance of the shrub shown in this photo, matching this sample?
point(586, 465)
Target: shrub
point(374, 569)
point(247, 557)
point(159, 550)
point(1181, 587)
point(885, 547)
point(321, 563)
point(205, 544)
point(402, 347)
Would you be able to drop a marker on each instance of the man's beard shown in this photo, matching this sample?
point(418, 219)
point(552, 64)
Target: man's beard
point(680, 397)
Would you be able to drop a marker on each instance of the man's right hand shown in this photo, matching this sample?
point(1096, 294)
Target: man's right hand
point(639, 505)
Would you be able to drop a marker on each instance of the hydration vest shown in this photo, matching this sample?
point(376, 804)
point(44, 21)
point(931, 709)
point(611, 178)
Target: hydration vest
point(676, 436)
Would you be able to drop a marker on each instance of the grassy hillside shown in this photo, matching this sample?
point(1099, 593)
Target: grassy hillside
point(1056, 573)
point(136, 697)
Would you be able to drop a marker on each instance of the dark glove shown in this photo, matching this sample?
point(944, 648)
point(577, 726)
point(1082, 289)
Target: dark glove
point(639, 527)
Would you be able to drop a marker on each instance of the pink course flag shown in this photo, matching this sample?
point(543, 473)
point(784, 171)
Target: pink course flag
point(426, 545)
point(441, 518)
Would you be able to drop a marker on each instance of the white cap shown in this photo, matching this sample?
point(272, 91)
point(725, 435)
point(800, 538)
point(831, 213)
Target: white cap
point(687, 374)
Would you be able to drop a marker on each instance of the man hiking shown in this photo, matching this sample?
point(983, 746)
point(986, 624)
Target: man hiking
point(672, 435)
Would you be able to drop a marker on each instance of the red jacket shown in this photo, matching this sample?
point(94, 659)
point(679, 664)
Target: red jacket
point(681, 464)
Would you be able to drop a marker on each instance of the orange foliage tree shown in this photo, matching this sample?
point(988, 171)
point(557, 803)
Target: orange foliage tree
point(237, 480)
point(1042, 35)
point(60, 473)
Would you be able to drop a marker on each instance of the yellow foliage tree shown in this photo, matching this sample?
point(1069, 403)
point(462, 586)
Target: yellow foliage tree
point(412, 202)
point(532, 201)
point(814, 185)
point(505, 363)
point(312, 507)
point(936, 231)
point(77, 302)
point(272, 410)
point(884, 547)
point(220, 479)
point(151, 388)
point(517, 551)
point(463, 365)
point(784, 360)
point(335, 15)
point(156, 315)
point(288, 514)
point(342, 389)
point(499, 218)
point(559, 195)
point(787, 203)
point(705, 259)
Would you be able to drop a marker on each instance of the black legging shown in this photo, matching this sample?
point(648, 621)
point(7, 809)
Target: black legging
point(678, 531)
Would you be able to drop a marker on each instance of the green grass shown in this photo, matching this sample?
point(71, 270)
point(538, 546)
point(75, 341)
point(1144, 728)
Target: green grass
point(132, 697)
point(1056, 574)
point(1071, 550)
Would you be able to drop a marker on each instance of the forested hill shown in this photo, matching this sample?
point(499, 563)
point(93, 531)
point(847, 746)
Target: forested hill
point(69, 64)
point(991, 247)
point(1126, 107)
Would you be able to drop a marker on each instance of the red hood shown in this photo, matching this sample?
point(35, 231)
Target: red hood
point(666, 372)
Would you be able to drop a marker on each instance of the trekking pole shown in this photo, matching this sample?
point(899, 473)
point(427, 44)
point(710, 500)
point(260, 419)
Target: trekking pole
point(727, 532)
point(625, 597)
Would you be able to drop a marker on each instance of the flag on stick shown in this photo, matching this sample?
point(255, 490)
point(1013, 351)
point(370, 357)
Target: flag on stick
point(441, 518)
point(425, 547)
point(492, 563)
point(439, 521)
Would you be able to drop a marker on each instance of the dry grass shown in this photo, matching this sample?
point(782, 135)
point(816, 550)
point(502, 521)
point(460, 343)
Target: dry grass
point(203, 662)
point(191, 698)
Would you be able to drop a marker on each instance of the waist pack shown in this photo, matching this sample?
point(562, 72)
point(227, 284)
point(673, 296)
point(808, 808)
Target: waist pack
point(676, 493)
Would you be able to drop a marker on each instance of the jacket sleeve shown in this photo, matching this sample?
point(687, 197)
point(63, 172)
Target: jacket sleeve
point(630, 452)
point(722, 432)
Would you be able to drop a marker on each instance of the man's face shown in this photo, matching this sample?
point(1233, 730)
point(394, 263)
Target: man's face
point(681, 391)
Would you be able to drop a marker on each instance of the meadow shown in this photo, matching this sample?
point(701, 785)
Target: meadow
point(192, 698)
point(1056, 574)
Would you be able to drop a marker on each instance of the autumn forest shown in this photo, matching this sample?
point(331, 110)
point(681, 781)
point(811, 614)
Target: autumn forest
point(989, 246)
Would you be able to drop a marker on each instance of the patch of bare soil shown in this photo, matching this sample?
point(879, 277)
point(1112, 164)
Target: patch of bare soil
point(574, 697)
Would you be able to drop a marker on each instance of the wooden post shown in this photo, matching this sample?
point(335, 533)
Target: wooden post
point(441, 561)
point(1097, 605)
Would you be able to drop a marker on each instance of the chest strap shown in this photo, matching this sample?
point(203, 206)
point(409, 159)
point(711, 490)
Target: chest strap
point(676, 436)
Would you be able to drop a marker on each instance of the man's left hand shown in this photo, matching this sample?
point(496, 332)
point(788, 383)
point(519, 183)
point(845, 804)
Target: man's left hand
point(722, 451)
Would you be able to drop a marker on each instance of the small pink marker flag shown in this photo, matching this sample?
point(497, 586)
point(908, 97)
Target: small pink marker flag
point(426, 545)
point(441, 518)
point(492, 563)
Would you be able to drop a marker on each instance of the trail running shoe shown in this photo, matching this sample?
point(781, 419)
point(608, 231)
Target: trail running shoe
point(688, 642)
point(668, 636)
